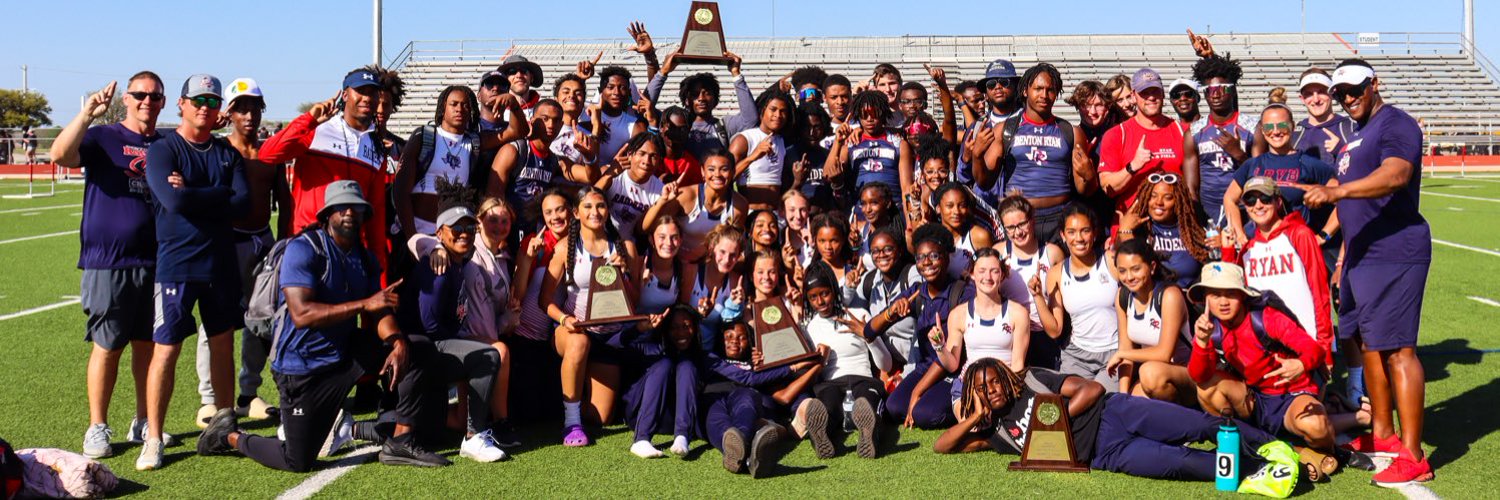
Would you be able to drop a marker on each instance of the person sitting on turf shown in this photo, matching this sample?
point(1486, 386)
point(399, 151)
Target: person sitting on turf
point(851, 361)
point(921, 400)
point(1114, 432)
point(1251, 359)
point(1153, 317)
point(741, 402)
point(328, 281)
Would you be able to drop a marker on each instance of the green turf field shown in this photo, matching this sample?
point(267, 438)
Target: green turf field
point(42, 400)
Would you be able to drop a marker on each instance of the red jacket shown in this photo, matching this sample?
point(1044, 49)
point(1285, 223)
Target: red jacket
point(1288, 261)
point(1243, 351)
point(332, 151)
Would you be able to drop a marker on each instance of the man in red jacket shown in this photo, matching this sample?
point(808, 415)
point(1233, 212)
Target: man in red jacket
point(326, 150)
point(1270, 386)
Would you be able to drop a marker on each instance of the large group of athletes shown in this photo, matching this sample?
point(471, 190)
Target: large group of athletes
point(1161, 273)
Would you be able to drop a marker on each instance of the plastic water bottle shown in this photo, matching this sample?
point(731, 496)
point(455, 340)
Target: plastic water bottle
point(1227, 461)
point(848, 409)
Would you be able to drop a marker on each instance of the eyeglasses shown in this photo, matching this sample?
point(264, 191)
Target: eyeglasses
point(888, 249)
point(1345, 92)
point(147, 96)
point(205, 101)
point(1272, 127)
point(1218, 88)
point(1162, 178)
point(1184, 94)
point(466, 228)
point(1252, 198)
point(929, 256)
point(1017, 226)
point(999, 82)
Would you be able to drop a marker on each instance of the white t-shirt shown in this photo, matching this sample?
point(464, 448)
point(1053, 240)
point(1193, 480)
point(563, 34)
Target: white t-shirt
point(849, 353)
point(628, 201)
point(450, 159)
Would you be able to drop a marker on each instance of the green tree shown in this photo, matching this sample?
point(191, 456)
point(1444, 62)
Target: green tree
point(302, 108)
point(114, 114)
point(18, 109)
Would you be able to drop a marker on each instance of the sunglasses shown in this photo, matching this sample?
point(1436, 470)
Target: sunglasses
point(465, 228)
point(1162, 178)
point(1184, 94)
point(929, 256)
point(147, 96)
point(511, 71)
point(1218, 88)
point(492, 83)
point(1272, 127)
point(1345, 92)
point(808, 93)
point(1253, 198)
point(999, 82)
point(204, 101)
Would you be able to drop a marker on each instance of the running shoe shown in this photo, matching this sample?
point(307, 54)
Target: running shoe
point(96, 441)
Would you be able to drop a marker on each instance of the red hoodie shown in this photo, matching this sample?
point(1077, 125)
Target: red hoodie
point(327, 152)
point(1287, 260)
point(1244, 352)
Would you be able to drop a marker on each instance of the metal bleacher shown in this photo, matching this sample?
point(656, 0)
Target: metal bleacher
point(1432, 75)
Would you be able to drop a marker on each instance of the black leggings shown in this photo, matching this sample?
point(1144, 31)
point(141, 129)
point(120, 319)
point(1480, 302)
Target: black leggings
point(831, 393)
point(309, 406)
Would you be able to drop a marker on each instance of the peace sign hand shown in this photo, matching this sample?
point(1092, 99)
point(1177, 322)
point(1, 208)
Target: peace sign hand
point(98, 103)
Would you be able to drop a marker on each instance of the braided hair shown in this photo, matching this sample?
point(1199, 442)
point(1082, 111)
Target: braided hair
point(1041, 69)
point(1187, 217)
point(874, 100)
point(471, 111)
point(974, 395)
point(575, 227)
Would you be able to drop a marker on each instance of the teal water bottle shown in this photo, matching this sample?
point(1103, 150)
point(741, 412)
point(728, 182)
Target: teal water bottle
point(1227, 461)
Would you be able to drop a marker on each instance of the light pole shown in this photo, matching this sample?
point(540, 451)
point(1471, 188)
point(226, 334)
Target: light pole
point(376, 30)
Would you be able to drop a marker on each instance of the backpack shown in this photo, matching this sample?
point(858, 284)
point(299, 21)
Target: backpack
point(1008, 135)
point(265, 309)
point(1256, 315)
point(426, 135)
point(1125, 295)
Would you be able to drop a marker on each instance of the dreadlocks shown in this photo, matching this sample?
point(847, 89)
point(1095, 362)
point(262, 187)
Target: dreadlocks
point(1187, 218)
point(471, 110)
point(1217, 66)
point(873, 100)
point(1042, 69)
point(975, 393)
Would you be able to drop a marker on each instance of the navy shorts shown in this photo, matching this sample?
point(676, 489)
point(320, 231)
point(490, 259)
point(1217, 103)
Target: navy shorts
point(1380, 305)
point(115, 302)
point(1269, 413)
point(218, 305)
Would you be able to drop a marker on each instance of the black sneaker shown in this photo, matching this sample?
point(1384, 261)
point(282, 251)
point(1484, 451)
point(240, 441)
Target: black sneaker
point(865, 421)
point(734, 450)
point(1353, 459)
point(766, 449)
point(215, 438)
point(504, 434)
point(816, 416)
point(403, 450)
point(369, 431)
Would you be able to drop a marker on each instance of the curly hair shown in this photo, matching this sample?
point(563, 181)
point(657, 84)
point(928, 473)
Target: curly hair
point(471, 111)
point(1086, 90)
point(454, 194)
point(934, 233)
point(1217, 66)
point(570, 77)
point(390, 81)
point(1187, 218)
point(688, 90)
point(933, 147)
point(808, 75)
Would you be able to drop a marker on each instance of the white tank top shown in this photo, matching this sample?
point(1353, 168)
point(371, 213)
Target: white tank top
point(703, 289)
point(963, 254)
point(1090, 303)
point(655, 299)
point(450, 158)
point(990, 338)
point(618, 128)
point(629, 200)
point(1144, 326)
point(699, 222)
point(767, 170)
point(1036, 266)
point(578, 284)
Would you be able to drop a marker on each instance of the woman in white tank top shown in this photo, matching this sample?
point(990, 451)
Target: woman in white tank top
point(762, 152)
point(1083, 287)
point(986, 326)
point(1030, 259)
point(1154, 336)
point(702, 206)
point(955, 211)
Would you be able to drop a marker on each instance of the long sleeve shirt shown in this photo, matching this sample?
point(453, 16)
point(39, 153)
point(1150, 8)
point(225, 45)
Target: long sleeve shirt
point(327, 152)
point(1244, 352)
point(704, 135)
point(1287, 260)
point(193, 221)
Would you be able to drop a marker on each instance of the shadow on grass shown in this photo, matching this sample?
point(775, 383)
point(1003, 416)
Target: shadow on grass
point(1436, 358)
point(783, 470)
point(1453, 425)
point(127, 487)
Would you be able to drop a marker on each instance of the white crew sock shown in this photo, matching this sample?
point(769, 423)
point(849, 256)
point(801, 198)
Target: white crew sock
point(679, 445)
point(571, 411)
point(644, 449)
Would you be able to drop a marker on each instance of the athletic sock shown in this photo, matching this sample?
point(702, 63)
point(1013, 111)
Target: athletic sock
point(679, 445)
point(1356, 384)
point(644, 449)
point(571, 412)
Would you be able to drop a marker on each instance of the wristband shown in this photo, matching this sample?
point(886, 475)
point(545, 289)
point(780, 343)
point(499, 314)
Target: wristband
point(1322, 234)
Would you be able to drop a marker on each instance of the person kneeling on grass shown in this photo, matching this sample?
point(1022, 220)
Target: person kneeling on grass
point(1252, 359)
point(328, 281)
point(741, 401)
point(1114, 432)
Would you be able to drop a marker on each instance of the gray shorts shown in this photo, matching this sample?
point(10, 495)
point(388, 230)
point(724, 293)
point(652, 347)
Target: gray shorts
point(1089, 365)
point(119, 305)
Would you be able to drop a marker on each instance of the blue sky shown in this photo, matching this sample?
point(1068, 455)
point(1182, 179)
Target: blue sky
point(298, 50)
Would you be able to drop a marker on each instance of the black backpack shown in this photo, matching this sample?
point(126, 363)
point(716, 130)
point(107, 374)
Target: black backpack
point(1125, 295)
point(426, 136)
point(1008, 134)
point(1256, 315)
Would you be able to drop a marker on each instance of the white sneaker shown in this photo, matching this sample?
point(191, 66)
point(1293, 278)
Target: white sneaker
point(481, 448)
point(205, 413)
point(137, 434)
point(340, 437)
point(96, 441)
point(150, 458)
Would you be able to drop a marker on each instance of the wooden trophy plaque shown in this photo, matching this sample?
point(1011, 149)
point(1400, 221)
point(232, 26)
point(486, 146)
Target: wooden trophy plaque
point(780, 340)
point(703, 37)
point(609, 298)
point(1049, 448)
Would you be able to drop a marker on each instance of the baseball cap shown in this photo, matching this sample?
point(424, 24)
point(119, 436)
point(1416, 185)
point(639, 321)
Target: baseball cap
point(493, 74)
point(345, 192)
point(197, 85)
point(999, 68)
point(1145, 78)
point(361, 78)
point(1220, 276)
point(1315, 79)
point(1352, 74)
point(1262, 184)
point(1183, 82)
point(242, 87)
point(453, 215)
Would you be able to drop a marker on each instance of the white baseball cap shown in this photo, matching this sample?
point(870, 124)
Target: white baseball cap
point(241, 87)
point(1183, 82)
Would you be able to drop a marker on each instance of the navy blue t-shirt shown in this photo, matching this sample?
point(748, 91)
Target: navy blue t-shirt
point(1296, 167)
point(429, 303)
point(350, 276)
point(1310, 138)
point(118, 230)
point(194, 222)
point(1388, 229)
point(1166, 239)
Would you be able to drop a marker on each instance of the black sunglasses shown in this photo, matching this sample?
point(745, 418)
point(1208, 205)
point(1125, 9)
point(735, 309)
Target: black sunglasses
point(1252, 198)
point(147, 96)
point(1180, 94)
point(998, 82)
point(1341, 92)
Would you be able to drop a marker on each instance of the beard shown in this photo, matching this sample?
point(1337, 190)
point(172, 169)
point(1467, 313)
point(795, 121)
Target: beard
point(344, 231)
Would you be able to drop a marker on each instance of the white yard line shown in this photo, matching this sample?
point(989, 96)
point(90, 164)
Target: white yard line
point(1414, 491)
point(1459, 196)
point(1466, 247)
point(34, 310)
point(33, 209)
point(1484, 301)
point(37, 237)
point(312, 485)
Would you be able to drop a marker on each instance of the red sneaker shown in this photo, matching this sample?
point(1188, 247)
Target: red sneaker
point(1368, 444)
point(1403, 471)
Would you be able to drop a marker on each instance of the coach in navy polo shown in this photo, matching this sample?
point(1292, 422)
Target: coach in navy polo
point(198, 182)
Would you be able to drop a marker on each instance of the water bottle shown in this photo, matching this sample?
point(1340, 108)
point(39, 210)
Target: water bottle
point(1227, 461)
point(848, 409)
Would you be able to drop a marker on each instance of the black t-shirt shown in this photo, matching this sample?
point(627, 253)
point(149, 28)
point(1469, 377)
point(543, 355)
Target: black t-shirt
point(1017, 418)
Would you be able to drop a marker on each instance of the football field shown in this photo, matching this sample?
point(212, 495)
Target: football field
point(43, 403)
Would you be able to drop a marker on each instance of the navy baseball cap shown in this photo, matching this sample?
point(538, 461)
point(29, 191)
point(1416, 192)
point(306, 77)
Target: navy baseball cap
point(361, 78)
point(999, 68)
